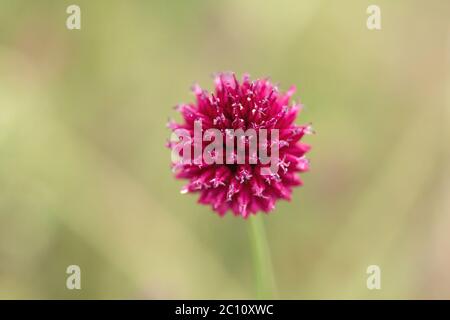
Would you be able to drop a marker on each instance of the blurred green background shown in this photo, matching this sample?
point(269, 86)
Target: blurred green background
point(85, 176)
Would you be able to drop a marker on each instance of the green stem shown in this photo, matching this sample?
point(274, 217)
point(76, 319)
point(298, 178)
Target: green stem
point(264, 279)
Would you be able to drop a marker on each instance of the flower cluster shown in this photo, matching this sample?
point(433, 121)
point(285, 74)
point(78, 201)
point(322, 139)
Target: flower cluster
point(243, 184)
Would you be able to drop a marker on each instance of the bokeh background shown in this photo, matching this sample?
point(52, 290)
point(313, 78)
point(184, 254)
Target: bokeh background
point(85, 176)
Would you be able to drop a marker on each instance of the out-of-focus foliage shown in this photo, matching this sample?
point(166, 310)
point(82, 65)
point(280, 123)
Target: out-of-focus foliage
point(85, 176)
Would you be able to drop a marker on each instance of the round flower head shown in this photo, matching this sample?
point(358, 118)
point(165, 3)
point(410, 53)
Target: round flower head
point(239, 147)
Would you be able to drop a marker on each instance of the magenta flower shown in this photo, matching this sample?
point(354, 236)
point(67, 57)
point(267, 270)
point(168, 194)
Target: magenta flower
point(254, 123)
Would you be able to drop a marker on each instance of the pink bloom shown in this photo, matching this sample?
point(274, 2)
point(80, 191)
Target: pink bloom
point(228, 184)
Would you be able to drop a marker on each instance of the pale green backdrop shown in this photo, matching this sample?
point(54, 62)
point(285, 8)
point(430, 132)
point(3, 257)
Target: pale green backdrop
point(85, 176)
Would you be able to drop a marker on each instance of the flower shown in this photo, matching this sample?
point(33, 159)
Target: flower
point(247, 186)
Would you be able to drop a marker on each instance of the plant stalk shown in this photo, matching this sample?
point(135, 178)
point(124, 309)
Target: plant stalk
point(262, 264)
